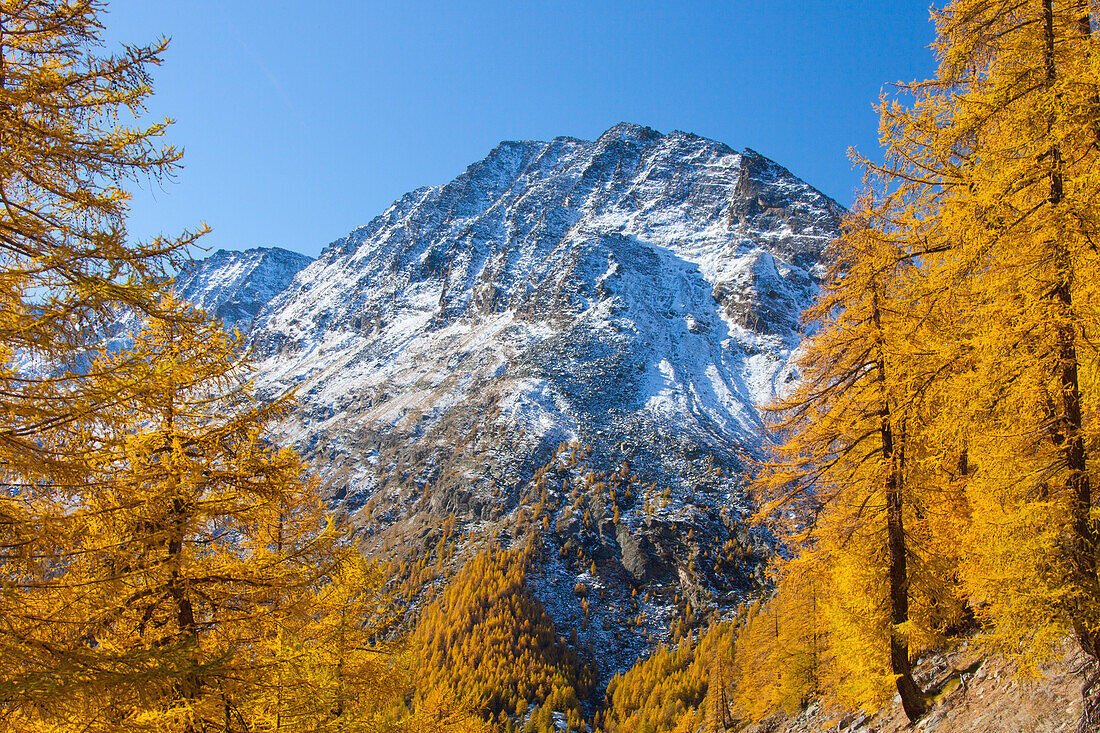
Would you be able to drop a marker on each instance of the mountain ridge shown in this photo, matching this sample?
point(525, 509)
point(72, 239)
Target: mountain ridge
point(578, 330)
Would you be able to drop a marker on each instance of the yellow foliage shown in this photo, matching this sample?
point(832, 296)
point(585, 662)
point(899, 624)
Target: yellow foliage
point(1003, 147)
point(849, 488)
point(678, 688)
point(206, 583)
point(938, 451)
point(67, 270)
point(487, 640)
point(781, 657)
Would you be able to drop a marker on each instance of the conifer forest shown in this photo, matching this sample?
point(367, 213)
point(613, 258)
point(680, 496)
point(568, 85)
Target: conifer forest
point(227, 515)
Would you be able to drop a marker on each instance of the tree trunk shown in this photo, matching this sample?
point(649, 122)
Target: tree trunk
point(1082, 606)
point(912, 700)
point(1090, 697)
point(1069, 436)
point(1084, 30)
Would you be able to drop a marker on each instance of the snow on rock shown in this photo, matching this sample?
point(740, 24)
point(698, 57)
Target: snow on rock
point(638, 295)
point(234, 286)
point(640, 277)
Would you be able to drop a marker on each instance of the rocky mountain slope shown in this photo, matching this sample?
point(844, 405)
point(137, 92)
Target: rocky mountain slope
point(230, 285)
point(234, 286)
point(971, 693)
point(570, 342)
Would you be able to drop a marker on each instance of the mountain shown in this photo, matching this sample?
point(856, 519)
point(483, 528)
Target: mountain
point(569, 342)
point(234, 286)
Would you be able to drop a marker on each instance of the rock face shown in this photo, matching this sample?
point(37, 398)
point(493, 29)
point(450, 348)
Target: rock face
point(234, 286)
point(570, 341)
point(971, 694)
point(229, 285)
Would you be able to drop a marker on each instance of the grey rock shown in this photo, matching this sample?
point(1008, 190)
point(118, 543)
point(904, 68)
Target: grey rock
point(638, 295)
point(234, 286)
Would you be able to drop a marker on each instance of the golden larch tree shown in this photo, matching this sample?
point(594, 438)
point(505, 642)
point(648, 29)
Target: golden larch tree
point(67, 269)
point(843, 486)
point(195, 540)
point(1006, 140)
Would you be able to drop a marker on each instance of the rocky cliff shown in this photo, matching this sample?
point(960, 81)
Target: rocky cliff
point(569, 342)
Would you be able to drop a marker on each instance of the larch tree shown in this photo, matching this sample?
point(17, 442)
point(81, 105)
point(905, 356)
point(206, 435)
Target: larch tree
point(841, 485)
point(331, 662)
point(678, 688)
point(983, 351)
point(66, 264)
point(195, 536)
point(779, 660)
point(66, 270)
point(207, 589)
point(1008, 137)
point(487, 640)
point(162, 566)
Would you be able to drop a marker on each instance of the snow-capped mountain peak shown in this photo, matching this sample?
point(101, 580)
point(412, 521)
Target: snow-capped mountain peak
point(632, 300)
point(234, 286)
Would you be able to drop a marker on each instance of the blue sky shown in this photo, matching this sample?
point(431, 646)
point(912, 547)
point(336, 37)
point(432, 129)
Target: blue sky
point(301, 121)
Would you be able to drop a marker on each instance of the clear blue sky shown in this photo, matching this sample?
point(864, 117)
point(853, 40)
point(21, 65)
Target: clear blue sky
point(303, 120)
